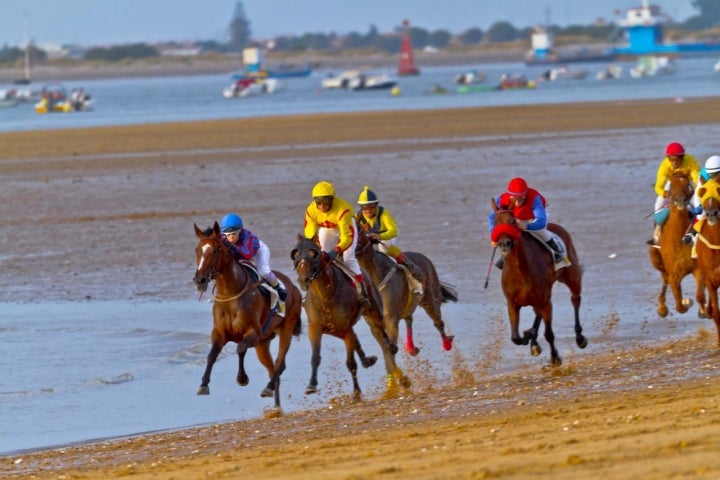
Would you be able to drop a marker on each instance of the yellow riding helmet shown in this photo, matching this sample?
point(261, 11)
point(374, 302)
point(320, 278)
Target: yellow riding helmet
point(367, 197)
point(323, 189)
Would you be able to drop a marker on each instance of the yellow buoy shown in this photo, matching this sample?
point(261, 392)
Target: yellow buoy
point(395, 91)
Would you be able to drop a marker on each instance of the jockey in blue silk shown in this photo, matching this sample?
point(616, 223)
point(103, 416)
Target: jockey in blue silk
point(331, 219)
point(675, 161)
point(708, 178)
point(380, 226)
point(528, 207)
point(244, 245)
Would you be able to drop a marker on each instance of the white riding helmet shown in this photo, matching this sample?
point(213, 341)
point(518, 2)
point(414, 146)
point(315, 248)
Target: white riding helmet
point(712, 164)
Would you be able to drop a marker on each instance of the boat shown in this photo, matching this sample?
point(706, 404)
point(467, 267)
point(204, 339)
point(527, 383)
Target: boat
point(562, 73)
point(472, 77)
point(476, 88)
point(341, 81)
point(254, 66)
point(247, 86)
point(286, 70)
point(406, 64)
point(55, 99)
point(372, 82)
point(716, 67)
point(543, 53)
point(610, 73)
point(509, 82)
point(651, 65)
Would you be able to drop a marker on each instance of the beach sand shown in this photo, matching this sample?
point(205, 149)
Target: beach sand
point(123, 199)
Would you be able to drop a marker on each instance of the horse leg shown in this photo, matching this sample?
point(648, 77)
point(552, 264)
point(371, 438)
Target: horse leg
point(263, 353)
point(532, 334)
point(242, 378)
point(211, 358)
point(432, 308)
point(700, 293)
point(546, 313)
point(389, 349)
point(350, 340)
point(576, 299)
point(315, 336)
point(514, 316)
point(274, 384)
point(366, 361)
point(713, 306)
point(409, 342)
point(681, 305)
point(657, 262)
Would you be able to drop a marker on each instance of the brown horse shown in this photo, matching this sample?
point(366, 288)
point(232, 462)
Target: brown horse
point(528, 277)
point(331, 304)
point(708, 250)
point(242, 312)
point(398, 299)
point(673, 259)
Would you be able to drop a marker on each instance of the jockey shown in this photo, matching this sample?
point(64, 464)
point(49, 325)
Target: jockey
point(675, 161)
point(244, 245)
point(380, 226)
point(331, 219)
point(528, 207)
point(708, 178)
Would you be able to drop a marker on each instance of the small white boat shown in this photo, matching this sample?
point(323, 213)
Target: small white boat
point(716, 67)
point(341, 81)
point(247, 86)
point(649, 66)
point(372, 82)
point(474, 77)
point(562, 73)
point(610, 73)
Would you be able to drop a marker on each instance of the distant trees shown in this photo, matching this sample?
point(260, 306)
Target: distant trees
point(471, 36)
point(502, 32)
point(120, 52)
point(239, 29)
point(709, 15)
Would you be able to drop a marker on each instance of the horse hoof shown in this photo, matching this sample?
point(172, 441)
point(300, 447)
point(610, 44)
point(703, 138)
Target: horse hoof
point(393, 348)
point(203, 391)
point(266, 393)
point(369, 361)
point(243, 381)
point(535, 350)
point(556, 361)
point(413, 351)
point(310, 389)
point(356, 396)
point(662, 311)
point(686, 302)
point(447, 343)
point(703, 314)
point(405, 382)
point(581, 342)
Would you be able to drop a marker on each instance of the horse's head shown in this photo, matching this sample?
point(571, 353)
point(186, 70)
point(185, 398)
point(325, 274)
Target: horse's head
point(710, 197)
point(681, 191)
point(364, 246)
point(505, 231)
point(208, 253)
point(308, 260)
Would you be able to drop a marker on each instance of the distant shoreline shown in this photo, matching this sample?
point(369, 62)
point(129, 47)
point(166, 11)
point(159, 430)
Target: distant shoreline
point(207, 66)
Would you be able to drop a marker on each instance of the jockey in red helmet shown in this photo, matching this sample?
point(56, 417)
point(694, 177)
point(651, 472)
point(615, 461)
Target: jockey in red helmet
point(528, 207)
point(675, 161)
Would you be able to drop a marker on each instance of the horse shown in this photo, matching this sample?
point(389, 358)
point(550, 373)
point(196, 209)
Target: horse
point(331, 305)
point(398, 300)
point(708, 251)
point(528, 276)
point(673, 259)
point(243, 313)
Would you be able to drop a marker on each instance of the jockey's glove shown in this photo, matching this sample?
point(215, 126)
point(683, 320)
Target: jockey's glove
point(332, 254)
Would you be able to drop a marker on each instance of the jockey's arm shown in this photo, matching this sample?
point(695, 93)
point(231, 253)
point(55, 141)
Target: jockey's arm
point(540, 220)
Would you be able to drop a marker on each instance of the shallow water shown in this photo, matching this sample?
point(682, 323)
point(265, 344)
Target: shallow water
point(152, 100)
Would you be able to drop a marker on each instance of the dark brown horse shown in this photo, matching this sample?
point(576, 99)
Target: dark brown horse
point(673, 259)
point(242, 312)
point(331, 305)
point(708, 250)
point(398, 299)
point(528, 277)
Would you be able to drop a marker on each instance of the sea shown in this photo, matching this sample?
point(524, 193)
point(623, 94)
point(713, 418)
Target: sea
point(87, 371)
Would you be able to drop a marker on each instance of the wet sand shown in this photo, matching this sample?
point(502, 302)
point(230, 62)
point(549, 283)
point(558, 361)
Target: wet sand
point(119, 203)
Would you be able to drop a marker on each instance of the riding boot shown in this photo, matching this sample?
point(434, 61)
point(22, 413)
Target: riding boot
point(500, 263)
point(363, 300)
point(412, 268)
point(556, 250)
point(655, 240)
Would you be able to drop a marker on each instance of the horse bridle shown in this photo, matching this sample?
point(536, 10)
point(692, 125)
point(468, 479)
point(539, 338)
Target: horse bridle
point(213, 266)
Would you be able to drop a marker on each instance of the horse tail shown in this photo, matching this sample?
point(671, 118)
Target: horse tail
point(297, 329)
point(449, 294)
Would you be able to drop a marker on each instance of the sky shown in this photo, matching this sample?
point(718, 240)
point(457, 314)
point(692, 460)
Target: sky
point(113, 22)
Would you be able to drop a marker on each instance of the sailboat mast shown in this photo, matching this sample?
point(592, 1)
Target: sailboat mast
point(27, 51)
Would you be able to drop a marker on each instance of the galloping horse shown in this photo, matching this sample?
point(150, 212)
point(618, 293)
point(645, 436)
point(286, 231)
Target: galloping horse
point(673, 259)
point(708, 250)
point(331, 304)
point(242, 313)
point(398, 300)
point(528, 277)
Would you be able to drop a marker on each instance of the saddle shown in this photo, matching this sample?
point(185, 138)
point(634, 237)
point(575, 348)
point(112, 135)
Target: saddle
point(415, 286)
point(275, 302)
point(563, 249)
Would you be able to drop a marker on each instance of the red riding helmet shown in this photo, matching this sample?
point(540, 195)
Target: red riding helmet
point(674, 149)
point(517, 187)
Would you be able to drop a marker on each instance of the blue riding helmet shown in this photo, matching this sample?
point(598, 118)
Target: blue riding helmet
point(231, 223)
